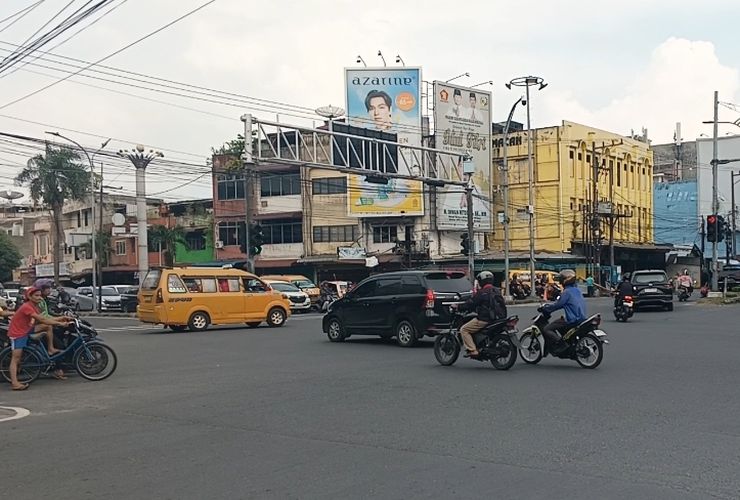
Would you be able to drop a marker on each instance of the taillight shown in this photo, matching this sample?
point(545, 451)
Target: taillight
point(628, 298)
point(596, 321)
point(429, 301)
point(160, 299)
point(512, 322)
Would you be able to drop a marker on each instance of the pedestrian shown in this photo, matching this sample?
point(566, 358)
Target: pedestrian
point(590, 285)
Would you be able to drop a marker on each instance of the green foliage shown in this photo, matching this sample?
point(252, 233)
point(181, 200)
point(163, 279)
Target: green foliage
point(167, 238)
point(52, 179)
point(234, 149)
point(103, 248)
point(10, 257)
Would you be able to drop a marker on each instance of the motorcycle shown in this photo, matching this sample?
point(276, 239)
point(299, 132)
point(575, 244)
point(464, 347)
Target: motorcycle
point(497, 342)
point(326, 300)
point(584, 343)
point(683, 294)
point(519, 291)
point(624, 309)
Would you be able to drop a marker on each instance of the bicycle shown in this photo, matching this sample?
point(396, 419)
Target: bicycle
point(92, 359)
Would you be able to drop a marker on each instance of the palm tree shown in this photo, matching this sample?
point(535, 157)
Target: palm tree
point(53, 179)
point(166, 239)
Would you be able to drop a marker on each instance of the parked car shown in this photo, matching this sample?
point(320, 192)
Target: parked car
point(732, 273)
point(652, 288)
point(407, 305)
point(305, 284)
point(129, 299)
point(111, 297)
point(299, 301)
point(11, 297)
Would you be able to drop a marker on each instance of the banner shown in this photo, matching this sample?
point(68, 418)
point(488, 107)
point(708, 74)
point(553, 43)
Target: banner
point(462, 125)
point(385, 100)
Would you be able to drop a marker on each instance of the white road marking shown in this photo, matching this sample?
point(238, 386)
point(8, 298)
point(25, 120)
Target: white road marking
point(19, 413)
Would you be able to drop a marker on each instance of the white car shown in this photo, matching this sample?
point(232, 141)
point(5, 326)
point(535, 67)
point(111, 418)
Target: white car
point(299, 301)
point(11, 297)
point(111, 297)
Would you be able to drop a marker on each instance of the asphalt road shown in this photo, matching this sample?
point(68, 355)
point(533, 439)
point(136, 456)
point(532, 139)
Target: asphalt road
point(283, 413)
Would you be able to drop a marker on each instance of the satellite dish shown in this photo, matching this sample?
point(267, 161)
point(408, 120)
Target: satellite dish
point(11, 195)
point(118, 219)
point(330, 111)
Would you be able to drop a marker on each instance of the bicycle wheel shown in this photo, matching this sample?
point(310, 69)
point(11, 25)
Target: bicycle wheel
point(31, 365)
point(95, 361)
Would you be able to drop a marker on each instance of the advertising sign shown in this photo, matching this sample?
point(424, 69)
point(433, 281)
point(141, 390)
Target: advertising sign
point(386, 100)
point(462, 125)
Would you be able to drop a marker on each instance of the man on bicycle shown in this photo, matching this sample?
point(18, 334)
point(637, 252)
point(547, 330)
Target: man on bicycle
point(25, 322)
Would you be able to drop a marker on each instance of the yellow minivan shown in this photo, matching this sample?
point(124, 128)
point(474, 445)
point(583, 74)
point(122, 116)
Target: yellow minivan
point(195, 297)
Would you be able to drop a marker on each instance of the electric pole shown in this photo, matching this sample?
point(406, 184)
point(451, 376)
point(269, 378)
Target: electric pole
point(715, 198)
point(471, 253)
point(248, 163)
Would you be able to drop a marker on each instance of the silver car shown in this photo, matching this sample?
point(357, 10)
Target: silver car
point(299, 300)
point(111, 297)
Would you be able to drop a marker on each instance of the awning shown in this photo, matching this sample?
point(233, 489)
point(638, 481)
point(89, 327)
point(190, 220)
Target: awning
point(273, 263)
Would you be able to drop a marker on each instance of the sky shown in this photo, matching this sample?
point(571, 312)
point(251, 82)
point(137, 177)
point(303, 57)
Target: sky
point(618, 67)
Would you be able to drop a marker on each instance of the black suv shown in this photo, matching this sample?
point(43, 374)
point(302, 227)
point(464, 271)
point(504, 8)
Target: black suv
point(407, 305)
point(652, 289)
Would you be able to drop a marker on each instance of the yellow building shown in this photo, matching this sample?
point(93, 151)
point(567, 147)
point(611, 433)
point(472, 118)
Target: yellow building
point(564, 159)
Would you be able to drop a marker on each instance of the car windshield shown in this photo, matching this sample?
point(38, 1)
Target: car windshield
point(152, 280)
point(450, 282)
point(284, 287)
point(304, 284)
point(108, 292)
point(644, 278)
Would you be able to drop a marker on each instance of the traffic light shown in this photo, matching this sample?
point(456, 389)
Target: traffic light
point(721, 228)
point(464, 244)
point(256, 239)
point(712, 228)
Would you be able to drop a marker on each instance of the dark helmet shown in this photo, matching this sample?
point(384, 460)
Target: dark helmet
point(567, 277)
point(43, 283)
point(485, 278)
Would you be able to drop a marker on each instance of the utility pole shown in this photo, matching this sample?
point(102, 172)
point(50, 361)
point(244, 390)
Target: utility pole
point(471, 252)
point(733, 215)
point(141, 160)
point(612, 221)
point(715, 198)
point(248, 162)
point(595, 222)
point(100, 264)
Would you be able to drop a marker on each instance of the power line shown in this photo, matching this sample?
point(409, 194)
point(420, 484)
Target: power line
point(24, 12)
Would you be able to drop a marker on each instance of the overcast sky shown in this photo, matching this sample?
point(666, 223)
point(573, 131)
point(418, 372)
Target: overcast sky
point(614, 65)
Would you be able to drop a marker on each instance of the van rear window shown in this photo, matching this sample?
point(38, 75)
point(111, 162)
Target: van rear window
point(152, 280)
point(450, 282)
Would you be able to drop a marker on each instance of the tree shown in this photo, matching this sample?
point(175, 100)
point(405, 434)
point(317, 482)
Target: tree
point(53, 179)
point(103, 248)
point(166, 239)
point(10, 257)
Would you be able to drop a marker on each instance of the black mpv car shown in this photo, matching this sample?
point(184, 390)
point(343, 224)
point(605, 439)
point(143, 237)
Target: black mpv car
point(652, 289)
point(407, 305)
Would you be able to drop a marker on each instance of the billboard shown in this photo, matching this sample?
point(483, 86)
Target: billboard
point(462, 125)
point(386, 100)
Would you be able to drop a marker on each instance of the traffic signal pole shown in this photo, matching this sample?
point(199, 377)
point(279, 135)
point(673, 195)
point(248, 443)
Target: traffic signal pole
point(471, 251)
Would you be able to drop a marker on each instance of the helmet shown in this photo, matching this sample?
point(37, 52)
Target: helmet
point(485, 278)
point(42, 283)
point(567, 277)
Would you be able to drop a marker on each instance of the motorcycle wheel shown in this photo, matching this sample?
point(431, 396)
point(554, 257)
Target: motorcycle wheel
point(446, 349)
point(31, 365)
point(95, 361)
point(504, 345)
point(589, 351)
point(531, 351)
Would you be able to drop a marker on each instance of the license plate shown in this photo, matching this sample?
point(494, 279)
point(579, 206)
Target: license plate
point(627, 304)
point(147, 299)
point(600, 333)
point(651, 290)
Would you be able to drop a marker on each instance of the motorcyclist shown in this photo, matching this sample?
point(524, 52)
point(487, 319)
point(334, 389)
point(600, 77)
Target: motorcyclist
point(483, 303)
point(573, 305)
point(624, 289)
point(685, 281)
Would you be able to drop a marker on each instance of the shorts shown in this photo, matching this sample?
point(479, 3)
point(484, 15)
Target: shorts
point(19, 343)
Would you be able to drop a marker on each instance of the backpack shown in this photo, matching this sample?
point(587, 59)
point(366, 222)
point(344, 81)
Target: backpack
point(497, 305)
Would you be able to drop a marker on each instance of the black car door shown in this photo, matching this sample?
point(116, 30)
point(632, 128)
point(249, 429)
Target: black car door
point(356, 313)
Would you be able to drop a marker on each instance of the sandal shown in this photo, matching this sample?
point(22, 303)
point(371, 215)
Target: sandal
point(22, 387)
point(59, 376)
point(471, 354)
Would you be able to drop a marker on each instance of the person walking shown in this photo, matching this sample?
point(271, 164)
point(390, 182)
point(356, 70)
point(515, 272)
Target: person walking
point(589, 286)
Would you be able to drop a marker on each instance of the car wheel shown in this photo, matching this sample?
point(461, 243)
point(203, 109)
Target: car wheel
point(199, 321)
point(335, 330)
point(130, 308)
point(276, 317)
point(405, 333)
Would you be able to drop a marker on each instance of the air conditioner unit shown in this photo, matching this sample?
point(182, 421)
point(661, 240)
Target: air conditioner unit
point(219, 244)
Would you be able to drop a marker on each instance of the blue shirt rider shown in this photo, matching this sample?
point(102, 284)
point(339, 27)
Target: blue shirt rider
point(573, 305)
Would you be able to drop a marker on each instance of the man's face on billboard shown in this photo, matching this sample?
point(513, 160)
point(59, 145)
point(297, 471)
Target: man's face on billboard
point(472, 101)
point(380, 113)
point(457, 98)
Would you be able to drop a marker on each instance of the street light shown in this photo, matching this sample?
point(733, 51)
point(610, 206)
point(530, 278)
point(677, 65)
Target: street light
point(380, 55)
point(488, 82)
point(93, 252)
point(399, 60)
point(141, 159)
point(458, 76)
point(505, 171)
point(529, 81)
point(361, 60)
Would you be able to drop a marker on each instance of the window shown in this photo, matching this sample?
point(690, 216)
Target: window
point(619, 174)
point(385, 234)
point(280, 185)
point(200, 285)
point(254, 286)
point(228, 284)
point(365, 289)
point(570, 154)
point(588, 158)
point(195, 240)
point(387, 286)
point(279, 232)
point(580, 156)
point(174, 283)
point(121, 247)
point(334, 234)
point(87, 218)
point(449, 282)
point(230, 186)
point(79, 220)
point(330, 185)
point(229, 233)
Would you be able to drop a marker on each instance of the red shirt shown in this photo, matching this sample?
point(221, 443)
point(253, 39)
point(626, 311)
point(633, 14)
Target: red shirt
point(22, 321)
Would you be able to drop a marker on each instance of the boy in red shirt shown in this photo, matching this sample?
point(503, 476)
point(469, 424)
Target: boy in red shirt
point(22, 326)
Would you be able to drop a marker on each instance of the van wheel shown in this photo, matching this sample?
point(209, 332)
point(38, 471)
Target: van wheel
point(405, 333)
point(177, 328)
point(199, 321)
point(276, 317)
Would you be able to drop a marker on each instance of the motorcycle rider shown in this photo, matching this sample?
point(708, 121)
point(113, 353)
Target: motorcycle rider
point(685, 281)
point(573, 305)
point(484, 303)
point(624, 289)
